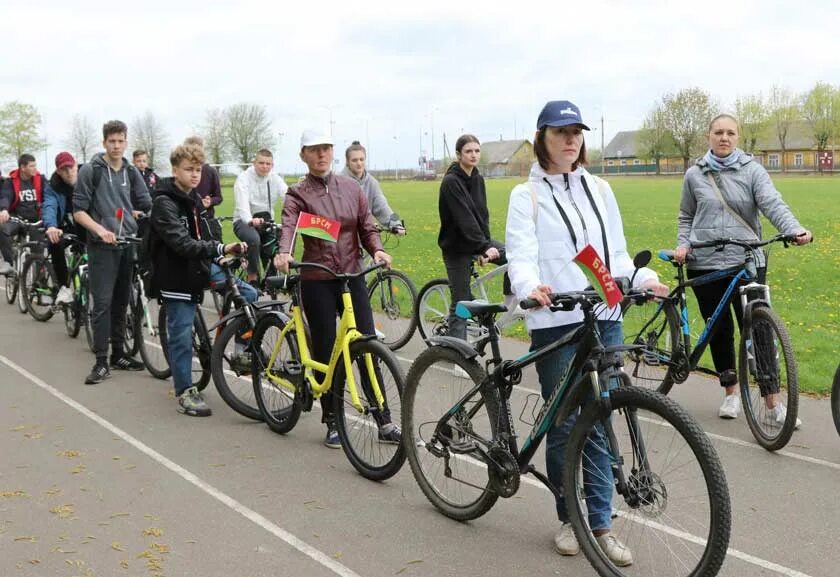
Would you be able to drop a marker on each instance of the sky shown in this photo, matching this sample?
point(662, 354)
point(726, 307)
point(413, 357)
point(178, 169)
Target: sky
point(398, 76)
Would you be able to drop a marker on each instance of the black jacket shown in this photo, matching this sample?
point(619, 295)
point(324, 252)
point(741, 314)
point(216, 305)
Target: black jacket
point(180, 258)
point(464, 219)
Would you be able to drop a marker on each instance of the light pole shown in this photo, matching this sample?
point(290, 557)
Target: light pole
point(434, 108)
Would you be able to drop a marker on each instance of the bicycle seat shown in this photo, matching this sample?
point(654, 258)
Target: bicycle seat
point(471, 309)
point(282, 282)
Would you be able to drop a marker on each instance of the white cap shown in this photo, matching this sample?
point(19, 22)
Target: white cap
point(313, 137)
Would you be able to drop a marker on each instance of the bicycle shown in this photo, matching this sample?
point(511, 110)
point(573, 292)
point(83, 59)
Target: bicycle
point(672, 504)
point(268, 236)
point(22, 246)
point(78, 312)
point(766, 359)
point(284, 383)
point(433, 303)
point(835, 400)
point(393, 298)
point(38, 285)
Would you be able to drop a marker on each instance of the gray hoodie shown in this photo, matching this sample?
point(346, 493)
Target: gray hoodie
point(748, 190)
point(377, 202)
point(121, 189)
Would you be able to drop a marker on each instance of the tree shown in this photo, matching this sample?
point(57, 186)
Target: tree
point(214, 132)
point(248, 129)
point(783, 113)
point(148, 134)
point(821, 110)
point(754, 119)
point(686, 115)
point(19, 127)
point(655, 140)
point(82, 139)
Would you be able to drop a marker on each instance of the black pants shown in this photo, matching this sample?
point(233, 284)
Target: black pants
point(722, 342)
point(254, 237)
point(321, 300)
point(110, 287)
point(59, 262)
point(458, 268)
point(8, 231)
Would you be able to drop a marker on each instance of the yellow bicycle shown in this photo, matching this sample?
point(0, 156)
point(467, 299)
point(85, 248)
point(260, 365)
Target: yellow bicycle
point(363, 374)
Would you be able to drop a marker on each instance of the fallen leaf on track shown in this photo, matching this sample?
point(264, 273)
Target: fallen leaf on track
point(116, 546)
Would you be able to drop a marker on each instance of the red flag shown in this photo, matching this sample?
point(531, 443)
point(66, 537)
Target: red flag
point(318, 226)
point(599, 275)
point(120, 218)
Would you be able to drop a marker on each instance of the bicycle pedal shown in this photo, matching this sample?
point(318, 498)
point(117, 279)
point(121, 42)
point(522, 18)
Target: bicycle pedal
point(292, 367)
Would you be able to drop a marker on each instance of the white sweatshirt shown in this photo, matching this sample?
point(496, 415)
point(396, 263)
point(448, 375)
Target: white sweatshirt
point(543, 252)
point(251, 192)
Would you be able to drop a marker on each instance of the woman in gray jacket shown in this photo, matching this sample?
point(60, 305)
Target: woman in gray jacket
point(747, 190)
point(355, 157)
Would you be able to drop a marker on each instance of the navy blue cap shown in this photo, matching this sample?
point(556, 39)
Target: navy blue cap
point(560, 113)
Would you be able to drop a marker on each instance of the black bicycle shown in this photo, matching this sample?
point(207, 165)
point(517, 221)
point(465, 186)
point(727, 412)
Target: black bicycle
point(835, 400)
point(668, 490)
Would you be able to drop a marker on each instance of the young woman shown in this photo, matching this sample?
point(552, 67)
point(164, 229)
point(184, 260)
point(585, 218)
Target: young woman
point(355, 157)
point(724, 183)
point(560, 210)
point(465, 227)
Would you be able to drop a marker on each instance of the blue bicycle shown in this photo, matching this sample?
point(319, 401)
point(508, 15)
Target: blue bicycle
point(767, 372)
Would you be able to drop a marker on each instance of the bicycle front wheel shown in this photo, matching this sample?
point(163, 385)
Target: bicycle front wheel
point(446, 461)
point(87, 312)
point(370, 436)
point(232, 371)
point(654, 326)
point(392, 298)
point(766, 366)
point(132, 342)
point(278, 403)
point(11, 282)
point(151, 331)
point(39, 288)
point(672, 508)
point(835, 400)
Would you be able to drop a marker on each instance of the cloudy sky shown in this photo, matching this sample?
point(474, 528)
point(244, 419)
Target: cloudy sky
point(393, 74)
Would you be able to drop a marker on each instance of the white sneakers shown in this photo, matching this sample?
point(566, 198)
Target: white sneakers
point(64, 296)
point(778, 414)
point(566, 543)
point(730, 408)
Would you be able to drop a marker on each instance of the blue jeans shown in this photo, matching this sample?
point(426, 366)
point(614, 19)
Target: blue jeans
point(598, 488)
point(217, 276)
point(179, 323)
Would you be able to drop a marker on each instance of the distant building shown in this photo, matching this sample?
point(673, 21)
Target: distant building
point(623, 156)
point(506, 158)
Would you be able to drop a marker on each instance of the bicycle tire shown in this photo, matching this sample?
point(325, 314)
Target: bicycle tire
point(695, 497)
point(11, 287)
point(280, 409)
point(87, 308)
point(38, 281)
point(388, 314)
point(359, 430)
point(835, 400)
point(21, 302)
point(152, 353)
point(132, 341)
point(764, 428)
point(655, 326)
point(427, 397)
point(239, 398)
point(72, 312)
point(200, 375)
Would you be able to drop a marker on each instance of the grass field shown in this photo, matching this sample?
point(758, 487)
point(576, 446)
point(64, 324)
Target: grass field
point(804, 289)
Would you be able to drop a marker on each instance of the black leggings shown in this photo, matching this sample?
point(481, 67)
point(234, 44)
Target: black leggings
point(722, 342)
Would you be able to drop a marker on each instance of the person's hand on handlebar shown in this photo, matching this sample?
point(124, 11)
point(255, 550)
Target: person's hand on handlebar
point(490, 254)
point(236, 248)
point(381, 256)
point(398, 229)
point(257, 222)
point(680, 253)
point(4, 216)
point(657, 287)
point(281, 262)
point(107, 236)
point(54, 234)
point(138, 214)
point(804, 238)
point(541, 294)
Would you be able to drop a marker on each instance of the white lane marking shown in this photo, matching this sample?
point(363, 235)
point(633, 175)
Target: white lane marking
point(715, 436)
point(308, 550)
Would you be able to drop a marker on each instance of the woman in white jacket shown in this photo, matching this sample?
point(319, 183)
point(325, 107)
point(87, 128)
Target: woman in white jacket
point(560, 210)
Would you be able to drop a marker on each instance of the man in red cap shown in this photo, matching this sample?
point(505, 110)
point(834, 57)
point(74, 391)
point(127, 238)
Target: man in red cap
point(57, 214)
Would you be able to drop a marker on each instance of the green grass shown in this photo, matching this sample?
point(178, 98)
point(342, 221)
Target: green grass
point(804, 290)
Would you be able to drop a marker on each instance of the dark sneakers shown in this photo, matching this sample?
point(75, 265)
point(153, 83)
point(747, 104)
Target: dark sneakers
point(126, 364)
point(98, 374)
point(192, 403)
point(332, 440)
point(390, 434)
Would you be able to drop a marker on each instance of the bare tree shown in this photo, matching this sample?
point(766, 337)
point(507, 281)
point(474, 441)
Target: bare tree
point(249, 129)
point(821, 110)
point(754, 118)
point(655, 140)
point(148, 134)
point(19, 127)
point(686, 115)
point(783, 113)
point(214, 132)
point(82, 139)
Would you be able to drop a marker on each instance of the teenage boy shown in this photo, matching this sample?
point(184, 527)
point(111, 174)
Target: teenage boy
point(141, 163)
point(109, 195)
point(20, 196)
point(55, 212)
point(181, 266)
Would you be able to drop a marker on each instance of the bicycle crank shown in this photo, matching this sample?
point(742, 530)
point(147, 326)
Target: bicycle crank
point(503, 471)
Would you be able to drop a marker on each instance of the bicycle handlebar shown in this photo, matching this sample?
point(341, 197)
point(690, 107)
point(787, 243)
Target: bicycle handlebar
point(719, 243)
point(300, 265)
point(26, 223)
point(569, 300)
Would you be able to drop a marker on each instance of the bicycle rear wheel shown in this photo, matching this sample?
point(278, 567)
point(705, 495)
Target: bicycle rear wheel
point(766, 364)
point(232, 378)
point(87, 311)
point(656, 327)
point(279, 404)
point(673, 511)
point(392, 298)
point(448, 466)
point(72, 313)
point(11, 287)
point(39, 288)
point(835, 400)
point(376, 454)
point(152, 334)
point(200, 346)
